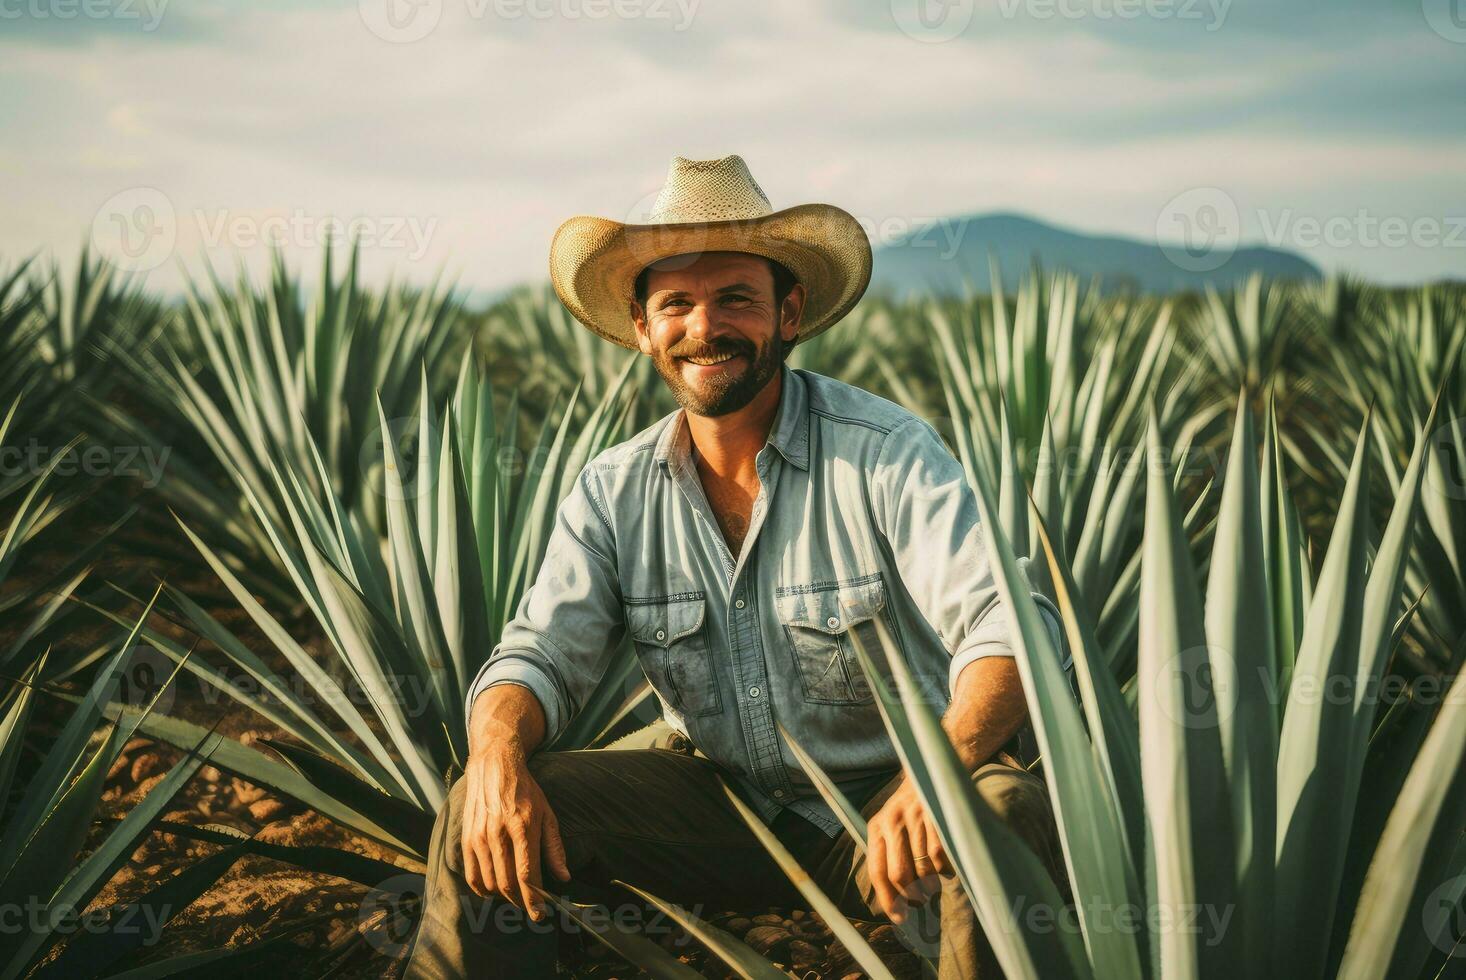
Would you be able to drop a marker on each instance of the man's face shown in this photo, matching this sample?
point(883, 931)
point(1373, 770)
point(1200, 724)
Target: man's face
point(713, 330)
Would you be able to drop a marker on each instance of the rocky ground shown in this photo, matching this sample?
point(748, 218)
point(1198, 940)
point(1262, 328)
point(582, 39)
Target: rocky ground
point(342, 929)
point(353, 938)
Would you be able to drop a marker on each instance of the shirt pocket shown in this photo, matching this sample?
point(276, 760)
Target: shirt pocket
point(820, 622)
point(671, 639)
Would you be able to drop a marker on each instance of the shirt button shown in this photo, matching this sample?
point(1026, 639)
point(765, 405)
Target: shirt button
point(740, 604)
point(832, 622)
point(753, 692)
point(779, 793)
point(661, 634)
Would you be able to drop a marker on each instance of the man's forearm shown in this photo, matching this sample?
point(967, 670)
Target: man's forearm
point(987, 709)
point(506, 716)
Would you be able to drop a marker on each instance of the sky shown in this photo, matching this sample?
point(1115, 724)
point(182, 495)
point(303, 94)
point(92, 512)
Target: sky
point(455, 135)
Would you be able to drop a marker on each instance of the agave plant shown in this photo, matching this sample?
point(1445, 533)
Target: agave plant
point(405, 620)
point(43, 873)
point(1397, 360)
point(270, 379)
point(1051, 393)
point(1249, 803)
point(535, 348)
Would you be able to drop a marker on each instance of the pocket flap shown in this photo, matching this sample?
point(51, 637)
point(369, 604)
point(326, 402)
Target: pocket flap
point(831, 610)
point(662, 622)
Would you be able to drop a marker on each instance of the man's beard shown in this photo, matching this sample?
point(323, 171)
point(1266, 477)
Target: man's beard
point(725, 393)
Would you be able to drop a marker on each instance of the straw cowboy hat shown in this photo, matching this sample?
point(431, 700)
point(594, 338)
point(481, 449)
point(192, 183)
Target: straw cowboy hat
point(709, 206)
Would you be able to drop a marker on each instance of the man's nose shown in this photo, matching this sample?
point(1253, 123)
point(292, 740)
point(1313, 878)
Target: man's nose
point(698, 324)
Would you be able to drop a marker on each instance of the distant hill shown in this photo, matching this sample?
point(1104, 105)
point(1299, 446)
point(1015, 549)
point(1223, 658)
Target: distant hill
point(944, 255)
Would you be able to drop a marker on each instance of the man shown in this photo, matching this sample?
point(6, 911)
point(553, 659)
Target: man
point(741, 542)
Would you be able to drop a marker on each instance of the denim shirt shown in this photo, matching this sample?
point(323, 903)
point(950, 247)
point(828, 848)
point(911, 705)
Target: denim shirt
point(863, 515)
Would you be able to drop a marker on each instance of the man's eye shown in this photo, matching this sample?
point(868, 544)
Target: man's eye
point(675, 303)
point(734, 299)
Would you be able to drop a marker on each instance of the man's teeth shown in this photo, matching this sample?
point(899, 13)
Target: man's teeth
point(708, 361)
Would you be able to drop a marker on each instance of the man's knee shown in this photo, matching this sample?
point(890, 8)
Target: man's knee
point(449, 826)
point(1021, 800)
point(1018, 798)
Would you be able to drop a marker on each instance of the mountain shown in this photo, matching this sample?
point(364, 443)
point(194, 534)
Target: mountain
point(950, 252)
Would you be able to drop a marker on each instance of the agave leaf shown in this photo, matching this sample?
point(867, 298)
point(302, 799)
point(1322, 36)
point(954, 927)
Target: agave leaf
point(1180, 748)
point(1239, 634)
point(850, 818)
point(1287, 565)
point(727, 947)
point(311, 672)
point(992, 862)
point(1313, 830)
point(347, 865)
point(630, 946)
point(1111, 724)
point(1096, 847)
point(417, 609)
point(912, 929)
point(91, 951)
point(257, 768)
point(1401, 891)
point(821, 903)
point(360, 796)
point(68, 754)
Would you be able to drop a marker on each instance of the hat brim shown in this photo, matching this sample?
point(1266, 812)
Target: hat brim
point(594, 262)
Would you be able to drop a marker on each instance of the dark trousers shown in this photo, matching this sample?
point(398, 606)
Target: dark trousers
point(660, 820)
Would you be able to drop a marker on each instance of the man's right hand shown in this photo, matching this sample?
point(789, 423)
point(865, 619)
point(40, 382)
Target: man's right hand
point(506, 823)
point(506, 818)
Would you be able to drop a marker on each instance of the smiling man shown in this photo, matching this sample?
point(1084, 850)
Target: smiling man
point(742, 544)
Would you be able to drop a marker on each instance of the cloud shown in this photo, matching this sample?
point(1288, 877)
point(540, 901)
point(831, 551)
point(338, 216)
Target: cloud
point(497, 125)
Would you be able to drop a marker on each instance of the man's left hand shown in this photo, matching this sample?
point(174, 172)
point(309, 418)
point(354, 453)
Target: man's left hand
point(904, 856)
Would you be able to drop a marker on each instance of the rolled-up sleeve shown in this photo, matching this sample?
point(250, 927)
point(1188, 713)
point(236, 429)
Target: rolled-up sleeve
point(569, 622)
point(928, 514)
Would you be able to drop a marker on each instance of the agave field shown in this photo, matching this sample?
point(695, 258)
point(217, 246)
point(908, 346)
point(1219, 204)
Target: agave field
point(255, 542)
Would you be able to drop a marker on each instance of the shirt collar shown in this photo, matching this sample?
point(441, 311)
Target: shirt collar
point(789, 434)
